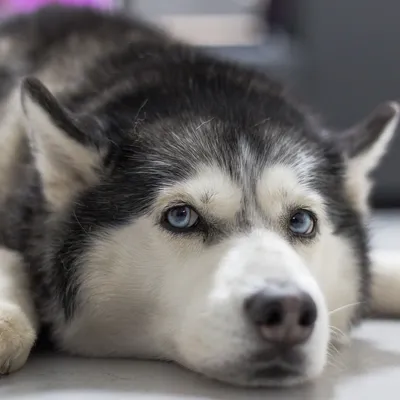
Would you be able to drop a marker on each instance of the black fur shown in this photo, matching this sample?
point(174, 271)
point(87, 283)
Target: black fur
point(155, 102)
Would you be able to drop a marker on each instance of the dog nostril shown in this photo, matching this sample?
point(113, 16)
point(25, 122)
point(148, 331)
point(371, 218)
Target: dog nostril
point(306, 319)
point(282, 313)
point(274, 316)
point(308, 316)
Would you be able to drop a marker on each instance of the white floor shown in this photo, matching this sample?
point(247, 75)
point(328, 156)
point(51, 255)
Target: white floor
point(368, 370)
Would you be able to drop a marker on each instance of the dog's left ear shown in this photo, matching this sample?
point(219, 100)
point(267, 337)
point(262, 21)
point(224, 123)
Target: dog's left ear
point(67, 148)
point(364, 145)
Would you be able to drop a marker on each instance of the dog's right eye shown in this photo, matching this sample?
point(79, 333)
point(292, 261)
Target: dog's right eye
point(181, 218)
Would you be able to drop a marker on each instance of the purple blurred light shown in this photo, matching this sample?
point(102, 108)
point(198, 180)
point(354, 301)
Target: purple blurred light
point(29, 5)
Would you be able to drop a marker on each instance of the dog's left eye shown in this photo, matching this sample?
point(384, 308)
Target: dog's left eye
point(302, 223)
point(181, 217)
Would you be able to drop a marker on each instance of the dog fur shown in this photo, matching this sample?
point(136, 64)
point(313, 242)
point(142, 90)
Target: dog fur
point(105, 123)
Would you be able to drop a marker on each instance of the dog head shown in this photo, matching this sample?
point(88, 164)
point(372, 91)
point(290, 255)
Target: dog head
point(215, 225)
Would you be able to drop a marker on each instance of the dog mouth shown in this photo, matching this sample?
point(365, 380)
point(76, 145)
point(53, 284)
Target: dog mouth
point(277, 368)
point(277, 372)
point(274, 376)
point(254, 372)
point(283, 367)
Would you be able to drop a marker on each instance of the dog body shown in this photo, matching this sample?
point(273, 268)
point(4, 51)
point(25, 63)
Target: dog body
point(156, 202)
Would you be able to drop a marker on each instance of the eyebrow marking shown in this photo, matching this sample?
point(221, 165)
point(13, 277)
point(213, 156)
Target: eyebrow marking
point(279, 188)
point(211, 190)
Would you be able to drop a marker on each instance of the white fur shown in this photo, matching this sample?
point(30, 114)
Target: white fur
point(182, 300)
point(359, 184)
point(386, 283)
point(11, 136)
point(330, 259)
point(18, 320)
point(281, 186)
point(385, 271)
point(147, 293)
point(223, 196)
point(175, 298)
point(179, 301)
point(66, 167)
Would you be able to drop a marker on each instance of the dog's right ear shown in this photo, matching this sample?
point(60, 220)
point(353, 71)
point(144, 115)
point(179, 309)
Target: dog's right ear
point(67, 152)
point(364, 145)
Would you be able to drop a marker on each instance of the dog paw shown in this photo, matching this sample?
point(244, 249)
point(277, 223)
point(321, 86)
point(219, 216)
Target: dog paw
point(17, 337)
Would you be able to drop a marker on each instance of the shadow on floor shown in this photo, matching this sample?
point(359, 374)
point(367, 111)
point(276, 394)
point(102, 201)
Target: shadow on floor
point(50, 376)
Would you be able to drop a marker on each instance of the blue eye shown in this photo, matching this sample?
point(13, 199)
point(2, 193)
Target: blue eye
point(181, 217)
point(302, 223)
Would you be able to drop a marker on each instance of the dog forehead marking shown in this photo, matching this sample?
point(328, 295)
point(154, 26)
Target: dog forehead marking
point(211, 188)
point(280, 186)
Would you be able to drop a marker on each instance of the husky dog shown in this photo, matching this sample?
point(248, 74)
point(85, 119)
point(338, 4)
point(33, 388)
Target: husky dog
point(158, 203)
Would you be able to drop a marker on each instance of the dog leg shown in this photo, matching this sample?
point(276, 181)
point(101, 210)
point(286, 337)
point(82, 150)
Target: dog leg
point(18, 319)
point(385, 283)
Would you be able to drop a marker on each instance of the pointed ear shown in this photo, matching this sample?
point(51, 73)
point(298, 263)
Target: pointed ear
point(367, 142)
point(67, 152)
point(364, 145)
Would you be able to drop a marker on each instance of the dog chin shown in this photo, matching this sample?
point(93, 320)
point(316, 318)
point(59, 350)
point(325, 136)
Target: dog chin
point(248, 374)
point(270, 377)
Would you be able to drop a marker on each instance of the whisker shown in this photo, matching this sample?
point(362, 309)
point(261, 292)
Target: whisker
point(337, 330)
point(337, 366)
point(333, 350)
point(335, 358)
point(344, 307)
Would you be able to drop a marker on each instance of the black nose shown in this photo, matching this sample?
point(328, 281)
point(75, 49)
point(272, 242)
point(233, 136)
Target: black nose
point(283, 313)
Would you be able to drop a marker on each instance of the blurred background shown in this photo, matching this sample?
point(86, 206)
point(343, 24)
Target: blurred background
point(342, 57)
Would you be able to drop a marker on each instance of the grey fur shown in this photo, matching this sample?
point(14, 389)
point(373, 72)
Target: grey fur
point(154, 110)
